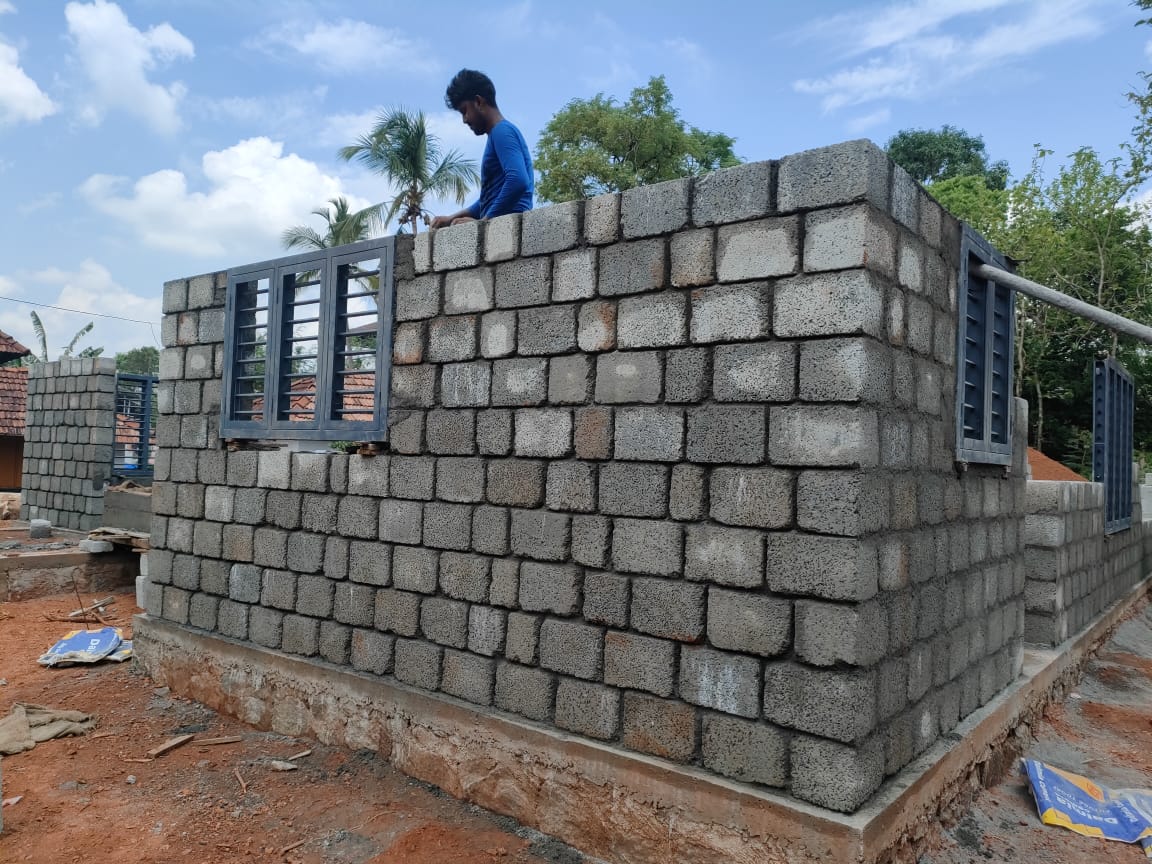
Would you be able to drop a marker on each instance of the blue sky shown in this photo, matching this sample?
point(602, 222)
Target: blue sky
point(146, 140)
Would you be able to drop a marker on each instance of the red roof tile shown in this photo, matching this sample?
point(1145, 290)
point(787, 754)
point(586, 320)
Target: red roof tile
point(10, 349)
point(13, 399)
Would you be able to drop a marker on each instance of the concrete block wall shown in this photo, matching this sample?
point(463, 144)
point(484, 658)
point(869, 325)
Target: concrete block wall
point(1074, 570)
point(68, 443)
point(672, 469)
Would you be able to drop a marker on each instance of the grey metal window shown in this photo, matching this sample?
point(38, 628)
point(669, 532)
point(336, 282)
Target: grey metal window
point(983, 358)
point(1113, 409)
point(134, 440)
point(308, 345)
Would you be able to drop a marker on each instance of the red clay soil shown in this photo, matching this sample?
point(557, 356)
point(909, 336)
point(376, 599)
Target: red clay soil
point(1044, 468)
point(96, 798)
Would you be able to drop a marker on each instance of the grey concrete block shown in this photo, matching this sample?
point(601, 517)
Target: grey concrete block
point(574, 275)
point(469, 291)
point(494, 433)
point(647, 546)
point(652, 321)
point(519, 382)
point(596, 326)
point(541, 535)
point(571, 648)
point(464, 385)
point(845, 303)
point(244, 583)
point(550, 229)
point(449, 433)
point(828, 634)
point(547, 330)
point(445, 621)
point(369, 563)
point(569, 379)
point(602, 219)
point(232, 619)
point(686, 375)
point(411, 477)
point(447, 526)
point(525, 282)
point(265, 626)
point(335, 643)
point(186, 572)
point(460, 479)
point(452, 339)
point(634, 376)
point(275, 469)
point(279, 589)
point(762, 372)
point(456, 247)
point(357, 516)
point(544, 432)
point(749, 622)
point(660, 727)
point(747, 751)
point(905, 198)
point(413, 386)
point(836, 776)
point(633, 489)
point(468, 677)
point(243, 468)
point(175, 603)
point(668, 608)
point(314, 596)
point(725, 682)
point(418, 298)
point(606, 599)
point(310, 472)
point(658, 208)
point(652, 434)
point(835, 704)
point(731, 313)
point(849, 237)
point(833, 568)
point(502, 238)
point(94, 547)
point(632, 268)
point(571, 486)
point(845, 370)
point(693, 256)
point(498, 334)
point(590, 540)
point(516, 482)
point(588, 709)
point(843, 173)
point(754, 497)
point(522, 638)
point(825, 436)
point(486, 629)
point(305, 552)
point(847, 503)
point(370, 651)
point(202, 611)
point(640, 663)
point(418, 663)
point(415, 569)
point(525, 691)
point(270, 547)
point(282, 509)
point(465, 577)
point(767, 248)
point(301, 635)
point(409, 343)
point(727, 434)
point(686, 493)
point(400, 521)
point(396, 612)
point(551, 588)
point(726, 556)
point(733, 194)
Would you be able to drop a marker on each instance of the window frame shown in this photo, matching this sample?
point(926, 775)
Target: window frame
point(1113, 416)
point(322, 427)
point(997, 301)
point(145, 442)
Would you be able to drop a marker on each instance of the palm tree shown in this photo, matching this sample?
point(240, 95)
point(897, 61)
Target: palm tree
point(42, 338)
point(401, 148)
point(344, 226)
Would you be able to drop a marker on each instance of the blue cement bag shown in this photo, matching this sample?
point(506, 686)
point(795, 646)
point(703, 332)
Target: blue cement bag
point(1078, 804)
point(85, 646)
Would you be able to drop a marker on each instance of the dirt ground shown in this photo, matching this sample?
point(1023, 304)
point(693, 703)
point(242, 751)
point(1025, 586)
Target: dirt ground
point(1103, 731)
point(91, 798)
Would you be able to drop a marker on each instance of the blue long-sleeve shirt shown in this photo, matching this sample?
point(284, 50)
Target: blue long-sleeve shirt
point(507, 182)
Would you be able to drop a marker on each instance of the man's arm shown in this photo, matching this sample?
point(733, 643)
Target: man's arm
point(445, 221)
point(506, 145)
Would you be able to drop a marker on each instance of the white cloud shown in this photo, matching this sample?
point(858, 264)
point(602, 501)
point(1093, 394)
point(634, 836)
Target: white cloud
point(253, 192)
point(912, 57)
point(350, 47)
point(1148, 49)
point(690, 55)
point(117, 59)
point(5, 7)
point(21, 99)
point(44, 202)
point(869, 121)
point(88, 289)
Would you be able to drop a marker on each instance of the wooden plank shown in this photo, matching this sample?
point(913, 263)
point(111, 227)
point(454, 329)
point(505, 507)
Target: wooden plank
point(170, 744)
point(211, 742)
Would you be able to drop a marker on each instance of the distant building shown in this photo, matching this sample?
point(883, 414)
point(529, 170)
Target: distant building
point(13, 400)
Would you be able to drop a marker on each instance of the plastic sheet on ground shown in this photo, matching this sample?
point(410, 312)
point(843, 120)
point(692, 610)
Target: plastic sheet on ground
point(88, 646)
point(1078, 804)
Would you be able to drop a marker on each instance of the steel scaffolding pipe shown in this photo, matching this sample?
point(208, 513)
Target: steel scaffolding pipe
point(1112, 321)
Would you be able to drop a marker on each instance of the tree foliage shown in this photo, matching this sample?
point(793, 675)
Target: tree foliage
point(932, 156)
point(401, 148)
point(69, 350)
point(139, 361)
point(345, 225)
point(596, 145)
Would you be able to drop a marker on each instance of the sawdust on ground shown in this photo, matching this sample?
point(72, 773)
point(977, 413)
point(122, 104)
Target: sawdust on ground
point(86, 799)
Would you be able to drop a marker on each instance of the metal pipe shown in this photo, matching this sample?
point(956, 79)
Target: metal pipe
point(1111, 320)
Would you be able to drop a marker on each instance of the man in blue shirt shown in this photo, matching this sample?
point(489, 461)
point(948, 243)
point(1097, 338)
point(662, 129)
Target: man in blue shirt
point(506, 179)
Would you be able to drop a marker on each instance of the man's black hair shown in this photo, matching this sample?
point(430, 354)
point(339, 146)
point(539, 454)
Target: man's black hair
point(466, 86)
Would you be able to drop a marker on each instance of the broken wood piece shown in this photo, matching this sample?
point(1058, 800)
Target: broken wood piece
point(170, 744)
point(102, 735)
point(211, 742)
point(126, 759)
point(98, 606)
point(10, 802)
point(281, 765)
point(300, 755)
point(243, 785)
point(295, 845)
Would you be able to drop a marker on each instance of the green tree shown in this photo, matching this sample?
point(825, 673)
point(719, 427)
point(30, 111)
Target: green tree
point(69, 349)
point(401, 148)
point(596, 145)
point(345, 225)
point(139, 361)
point(931, 155)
